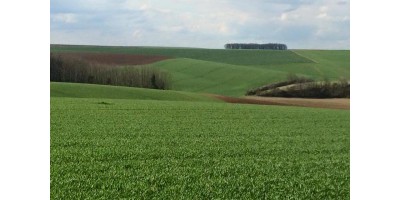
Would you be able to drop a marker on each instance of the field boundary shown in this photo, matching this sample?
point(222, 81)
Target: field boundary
point(336, 103)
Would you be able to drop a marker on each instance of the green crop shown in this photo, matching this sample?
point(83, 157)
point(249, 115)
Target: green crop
point(234, 80)
point(145, 149)
point(80, 90)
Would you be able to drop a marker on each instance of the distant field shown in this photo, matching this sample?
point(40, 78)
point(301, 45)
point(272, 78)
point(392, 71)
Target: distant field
point(233, 72)
point(113, 59)
point(78, 90)
point(212, 77)
point(235, 80)
point(144, 149)
point(235, 57)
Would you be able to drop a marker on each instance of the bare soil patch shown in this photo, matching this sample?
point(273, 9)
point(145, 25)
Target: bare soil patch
point(337, 103)
point(116, 59)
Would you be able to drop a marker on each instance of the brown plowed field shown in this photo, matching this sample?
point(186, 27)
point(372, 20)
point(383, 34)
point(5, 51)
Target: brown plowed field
point(115, 59)
point(303, 102)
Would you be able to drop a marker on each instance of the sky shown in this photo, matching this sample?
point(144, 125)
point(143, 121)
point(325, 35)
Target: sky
point(301, 24)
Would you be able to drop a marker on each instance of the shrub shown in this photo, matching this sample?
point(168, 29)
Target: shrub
point(291, 79)
point(304, 88)
point(324, 89)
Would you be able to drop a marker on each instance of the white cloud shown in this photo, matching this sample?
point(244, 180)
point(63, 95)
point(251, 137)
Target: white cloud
point(137, 34)
point(64, 18)
point(322, 15)
point(202, 23)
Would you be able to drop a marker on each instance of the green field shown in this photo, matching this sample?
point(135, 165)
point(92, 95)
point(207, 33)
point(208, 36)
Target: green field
point(111, 142)
point(78, 90)
point(233, 72)
point(234, 80)
point(144, 149)
point(236, 57)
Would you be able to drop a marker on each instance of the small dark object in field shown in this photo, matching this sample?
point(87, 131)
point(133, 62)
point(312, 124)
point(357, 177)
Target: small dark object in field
point(105, 103)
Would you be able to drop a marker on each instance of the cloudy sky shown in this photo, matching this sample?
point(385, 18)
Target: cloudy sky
point(308, 24)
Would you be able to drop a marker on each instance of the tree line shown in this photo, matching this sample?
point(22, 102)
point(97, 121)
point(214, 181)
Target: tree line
point(274, 46)
point(302, 87)
point(68, 69)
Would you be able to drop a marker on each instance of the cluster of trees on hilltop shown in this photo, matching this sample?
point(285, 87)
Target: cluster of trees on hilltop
point(275, 46)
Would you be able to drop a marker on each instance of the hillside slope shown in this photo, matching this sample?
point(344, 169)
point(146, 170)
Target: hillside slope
point(234, 80)
point(79, 90)
point(212, 77)
point(235, 57)
point(233, 72)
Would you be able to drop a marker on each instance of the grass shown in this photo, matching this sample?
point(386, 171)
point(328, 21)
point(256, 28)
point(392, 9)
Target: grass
point(233, 72)
point(79, 90)
point(234, 80)
point(146, 149)
point(212, 77)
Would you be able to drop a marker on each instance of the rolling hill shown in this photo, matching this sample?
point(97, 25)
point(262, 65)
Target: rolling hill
point(235, 57)
point(233, 72)
point(79, 90)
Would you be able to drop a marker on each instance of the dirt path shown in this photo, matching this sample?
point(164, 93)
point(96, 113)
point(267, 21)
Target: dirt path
point(303, 102)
